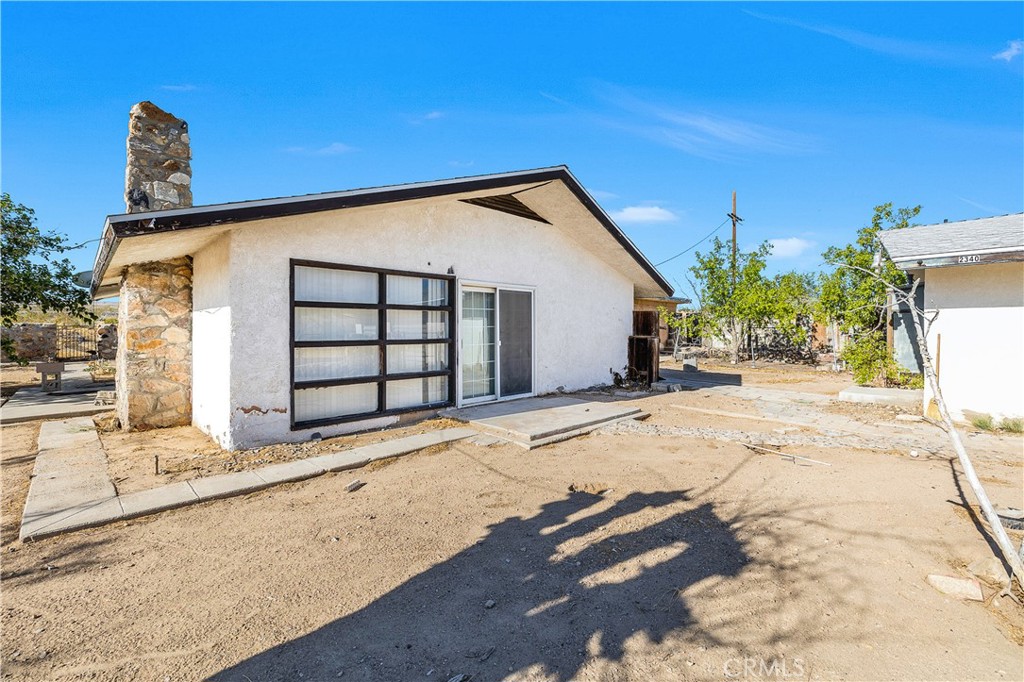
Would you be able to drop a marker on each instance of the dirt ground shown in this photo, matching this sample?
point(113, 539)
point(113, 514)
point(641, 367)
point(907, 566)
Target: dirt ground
point(701, 560)
point(185, 452)
point(18, 448)
point(13, 377)
point(773, 374)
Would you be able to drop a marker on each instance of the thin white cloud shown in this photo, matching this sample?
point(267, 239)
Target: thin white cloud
point(982, 207)
point(1013, 48)
point(429, 116)
point(460, 164)
point(644, 214)
point(601, 194)
point(332, 149)
point(789, 247)
point(892, 46)
point(180, 87)
point(699, 133)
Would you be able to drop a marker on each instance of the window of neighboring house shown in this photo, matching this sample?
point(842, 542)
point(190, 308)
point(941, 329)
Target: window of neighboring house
point(368, 342)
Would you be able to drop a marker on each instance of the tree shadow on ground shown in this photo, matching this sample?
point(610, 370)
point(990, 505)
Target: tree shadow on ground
point(560, 598)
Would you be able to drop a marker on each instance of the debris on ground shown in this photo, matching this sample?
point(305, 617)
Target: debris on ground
point(990, 570)
point(354, 486)
point(592, 488)
point(961, 588)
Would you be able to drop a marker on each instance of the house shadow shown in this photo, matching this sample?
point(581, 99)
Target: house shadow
point(534, 596)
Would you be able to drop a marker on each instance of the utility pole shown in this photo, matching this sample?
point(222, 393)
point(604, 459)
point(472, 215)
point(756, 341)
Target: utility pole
point(735, 219)
point(735, 341)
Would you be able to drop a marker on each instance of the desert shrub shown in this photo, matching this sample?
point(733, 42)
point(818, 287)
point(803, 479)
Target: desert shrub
point(1012, 425)
point(983, 422)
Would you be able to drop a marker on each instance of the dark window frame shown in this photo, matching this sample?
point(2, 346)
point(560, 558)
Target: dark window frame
point(381, 342)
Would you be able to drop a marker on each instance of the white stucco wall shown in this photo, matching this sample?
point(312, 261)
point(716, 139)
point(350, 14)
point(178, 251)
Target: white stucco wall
point(583, 307)
point(211, 340)
point(981, 322)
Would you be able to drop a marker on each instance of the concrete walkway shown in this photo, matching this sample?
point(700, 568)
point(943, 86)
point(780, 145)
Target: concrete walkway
point(71, 490)
point(76, 398)
point(696, 381)
point(909, 398)
point(533, 422)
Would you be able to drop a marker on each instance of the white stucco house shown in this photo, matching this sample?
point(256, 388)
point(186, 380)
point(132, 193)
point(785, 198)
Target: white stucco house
point(351, 310)
point(973, 277)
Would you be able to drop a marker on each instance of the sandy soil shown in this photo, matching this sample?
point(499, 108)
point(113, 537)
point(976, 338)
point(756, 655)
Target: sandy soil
point(13, 377)
point(700, 558)
point(17, 457)
point(772, 374)
point(185, 452)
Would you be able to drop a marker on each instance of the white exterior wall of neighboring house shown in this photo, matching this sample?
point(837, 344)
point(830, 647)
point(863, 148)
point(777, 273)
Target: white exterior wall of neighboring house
point(981, 322)
point(582, 306)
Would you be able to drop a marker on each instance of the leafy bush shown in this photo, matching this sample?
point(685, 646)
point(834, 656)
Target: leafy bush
point(872, 364)
point(1012, 424)
point(869, 360)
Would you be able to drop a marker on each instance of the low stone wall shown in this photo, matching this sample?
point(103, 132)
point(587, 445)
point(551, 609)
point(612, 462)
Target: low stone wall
point(32, 342)
point(37, 342)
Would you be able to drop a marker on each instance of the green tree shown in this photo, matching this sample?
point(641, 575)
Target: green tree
point(793, 297)
point(854, 293)
point(731, 304)
point(31, 274)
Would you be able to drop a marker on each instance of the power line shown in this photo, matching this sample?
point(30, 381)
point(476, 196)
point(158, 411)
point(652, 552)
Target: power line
point(691, 248)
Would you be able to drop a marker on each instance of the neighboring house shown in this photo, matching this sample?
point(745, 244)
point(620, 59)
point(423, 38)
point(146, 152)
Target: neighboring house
point(272, 320)
point(973, 272)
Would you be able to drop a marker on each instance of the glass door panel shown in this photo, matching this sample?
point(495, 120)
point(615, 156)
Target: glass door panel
point(478, 343)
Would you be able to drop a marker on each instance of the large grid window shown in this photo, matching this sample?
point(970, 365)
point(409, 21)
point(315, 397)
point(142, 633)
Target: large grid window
point(369, 342)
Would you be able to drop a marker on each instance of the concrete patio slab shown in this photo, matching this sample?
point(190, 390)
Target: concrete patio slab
point(226, 485)
point(158, 499)
point(911, 399)
point(532, 422)
point(75, 400)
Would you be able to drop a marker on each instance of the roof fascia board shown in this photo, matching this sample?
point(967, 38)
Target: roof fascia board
point(956, 260)
point(121, 226)
point(962, 252)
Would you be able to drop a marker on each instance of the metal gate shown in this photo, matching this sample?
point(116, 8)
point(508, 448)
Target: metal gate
point(76, 343)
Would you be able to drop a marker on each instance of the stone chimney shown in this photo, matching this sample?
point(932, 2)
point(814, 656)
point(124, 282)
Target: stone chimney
point(158, 175)
point(154, 350)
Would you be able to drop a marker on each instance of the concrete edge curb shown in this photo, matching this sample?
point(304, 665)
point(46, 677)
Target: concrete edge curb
point(213, 489)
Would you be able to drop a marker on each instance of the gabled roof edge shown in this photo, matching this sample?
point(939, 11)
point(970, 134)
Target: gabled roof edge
point(121, 226)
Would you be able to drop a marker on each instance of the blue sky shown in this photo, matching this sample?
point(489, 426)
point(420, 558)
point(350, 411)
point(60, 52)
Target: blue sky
point(813, 113)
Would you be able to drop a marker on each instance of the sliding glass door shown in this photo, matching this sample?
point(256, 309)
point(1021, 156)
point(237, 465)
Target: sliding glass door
point(497, 343)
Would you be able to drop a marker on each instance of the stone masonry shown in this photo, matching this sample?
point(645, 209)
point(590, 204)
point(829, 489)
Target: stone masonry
point(154, 329)
point(154, 345)
point(32, 342)
point(159, 174)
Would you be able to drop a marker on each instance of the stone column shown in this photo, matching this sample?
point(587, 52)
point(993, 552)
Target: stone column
point(154, 349)
point(154, 330)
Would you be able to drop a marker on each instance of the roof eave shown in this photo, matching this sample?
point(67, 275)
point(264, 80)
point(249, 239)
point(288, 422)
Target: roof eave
point(118, 227)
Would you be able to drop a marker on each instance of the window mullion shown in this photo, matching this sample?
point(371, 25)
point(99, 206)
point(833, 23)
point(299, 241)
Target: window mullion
point(382, 336)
